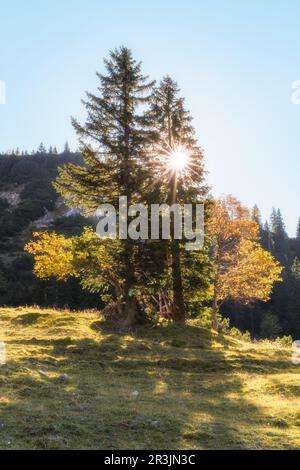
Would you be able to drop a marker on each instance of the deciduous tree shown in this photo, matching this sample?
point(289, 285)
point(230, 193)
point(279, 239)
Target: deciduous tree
point(244, 271)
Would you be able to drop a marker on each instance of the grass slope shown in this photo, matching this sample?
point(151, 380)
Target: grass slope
point(162, 388)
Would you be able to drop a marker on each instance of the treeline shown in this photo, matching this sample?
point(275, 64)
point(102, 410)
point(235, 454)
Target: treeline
point(41, 150)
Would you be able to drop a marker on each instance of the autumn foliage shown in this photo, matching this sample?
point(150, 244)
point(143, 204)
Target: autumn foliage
point(244, 271)
point(53, 256)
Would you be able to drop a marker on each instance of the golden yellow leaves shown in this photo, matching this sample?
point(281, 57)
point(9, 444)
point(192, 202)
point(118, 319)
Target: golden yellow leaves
point(251, 275)
point(244, 271)
point(53, 255)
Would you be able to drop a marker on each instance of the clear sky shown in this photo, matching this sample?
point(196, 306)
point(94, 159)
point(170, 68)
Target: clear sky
point(234, 61)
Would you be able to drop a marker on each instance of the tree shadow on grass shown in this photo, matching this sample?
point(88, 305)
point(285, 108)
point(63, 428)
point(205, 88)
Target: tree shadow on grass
point(159, 388)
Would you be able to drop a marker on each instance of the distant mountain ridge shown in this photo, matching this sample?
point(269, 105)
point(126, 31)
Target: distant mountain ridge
point(28, 202)
point(27, 196)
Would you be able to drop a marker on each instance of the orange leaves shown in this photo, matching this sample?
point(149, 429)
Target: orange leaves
point(244, 271)
point(230, 222)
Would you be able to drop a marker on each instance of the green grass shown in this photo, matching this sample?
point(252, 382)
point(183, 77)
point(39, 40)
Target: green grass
point(195, 390)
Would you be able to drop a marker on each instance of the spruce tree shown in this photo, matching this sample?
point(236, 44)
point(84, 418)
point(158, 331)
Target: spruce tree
point(114, 144)
point(256, 215)
point(298, 230)
point(266, 239)
point(67, 150)
point(295, 268)
point(42, 149)
point(280, 247)
point(174, 129)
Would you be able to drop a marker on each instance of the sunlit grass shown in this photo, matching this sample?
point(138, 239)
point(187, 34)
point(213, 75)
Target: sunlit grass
point(162, 387)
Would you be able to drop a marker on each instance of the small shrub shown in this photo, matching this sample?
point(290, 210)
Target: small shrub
point(243, 335)
point(204, 318)
point(270, 326)
point(284, 340)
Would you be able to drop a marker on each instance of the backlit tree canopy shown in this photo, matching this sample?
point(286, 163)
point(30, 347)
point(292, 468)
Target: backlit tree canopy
point(244, 271)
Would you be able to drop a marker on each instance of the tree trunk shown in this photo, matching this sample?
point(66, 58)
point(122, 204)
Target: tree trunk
point(132, 311)
point(133, 314)
point(214, 314)
point(215, 306)
point(252, 321)
point(178, 301)
point(178, 310)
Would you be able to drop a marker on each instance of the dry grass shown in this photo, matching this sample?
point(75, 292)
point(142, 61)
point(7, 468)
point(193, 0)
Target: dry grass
point(161, 388)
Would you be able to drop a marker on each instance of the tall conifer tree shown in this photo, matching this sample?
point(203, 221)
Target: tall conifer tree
point(256, 216)
point(114, 143)
point(295, 268)
point(280, 238)
point(298, 230)
point(266, 237)
point(174, 129)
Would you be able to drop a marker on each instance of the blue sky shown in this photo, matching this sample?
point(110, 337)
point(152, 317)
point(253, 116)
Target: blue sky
point(235, 62)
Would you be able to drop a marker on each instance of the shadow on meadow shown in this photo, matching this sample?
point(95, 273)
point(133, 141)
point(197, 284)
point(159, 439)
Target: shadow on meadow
point(158, 388)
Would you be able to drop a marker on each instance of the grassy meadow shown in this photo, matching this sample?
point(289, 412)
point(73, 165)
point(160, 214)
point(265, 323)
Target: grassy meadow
point(70, 382)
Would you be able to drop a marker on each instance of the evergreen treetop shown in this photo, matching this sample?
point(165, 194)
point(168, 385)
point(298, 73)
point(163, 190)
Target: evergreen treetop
point(115, 144)
point(298, 230)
